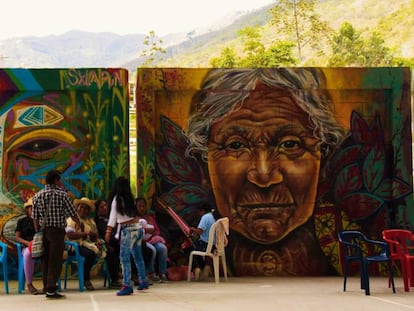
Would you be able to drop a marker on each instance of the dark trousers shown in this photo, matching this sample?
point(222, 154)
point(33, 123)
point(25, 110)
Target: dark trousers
point(51, 261)
point(90, 260)
point(112, 259)
point(198, 261)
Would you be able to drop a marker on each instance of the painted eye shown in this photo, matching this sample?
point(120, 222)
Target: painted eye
point(236, 145)
point(39, 145)
point(290, 144)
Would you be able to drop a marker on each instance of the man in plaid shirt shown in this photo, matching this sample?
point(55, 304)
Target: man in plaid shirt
point(51, 207)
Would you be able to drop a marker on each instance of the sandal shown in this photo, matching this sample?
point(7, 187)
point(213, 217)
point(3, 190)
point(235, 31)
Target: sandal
point(33, 290)
point(89, 285)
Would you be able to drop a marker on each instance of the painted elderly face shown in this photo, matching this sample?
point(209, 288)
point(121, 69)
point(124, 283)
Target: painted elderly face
point(264, 165)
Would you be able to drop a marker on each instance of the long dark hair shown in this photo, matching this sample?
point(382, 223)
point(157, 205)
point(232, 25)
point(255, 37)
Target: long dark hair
point(121, 191)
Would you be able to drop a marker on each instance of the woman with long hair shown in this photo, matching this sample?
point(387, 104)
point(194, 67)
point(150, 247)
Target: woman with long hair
point(124, 213)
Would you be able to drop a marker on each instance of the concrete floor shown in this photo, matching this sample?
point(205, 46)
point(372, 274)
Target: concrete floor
point(290, 294)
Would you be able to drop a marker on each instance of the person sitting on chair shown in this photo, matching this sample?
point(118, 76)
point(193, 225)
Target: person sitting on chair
point(112, 256)
point(85, 236)
point(203, 229)
point(24, 235)
point(154, 241)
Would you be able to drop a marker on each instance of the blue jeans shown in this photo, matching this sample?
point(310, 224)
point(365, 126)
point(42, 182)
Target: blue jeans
point(160, 250)
point(131, 238)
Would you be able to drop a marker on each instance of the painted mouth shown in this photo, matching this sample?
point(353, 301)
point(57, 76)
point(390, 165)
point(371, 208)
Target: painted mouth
point(265, 222)
point(275, 212)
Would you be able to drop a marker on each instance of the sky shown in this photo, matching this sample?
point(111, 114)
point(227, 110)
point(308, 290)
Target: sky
point(54, 17)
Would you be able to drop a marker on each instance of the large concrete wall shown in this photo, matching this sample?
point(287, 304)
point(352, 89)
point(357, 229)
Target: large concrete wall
point(74, 120)
point(275, 168)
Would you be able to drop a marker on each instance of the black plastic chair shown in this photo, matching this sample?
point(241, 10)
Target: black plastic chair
point(353, 245)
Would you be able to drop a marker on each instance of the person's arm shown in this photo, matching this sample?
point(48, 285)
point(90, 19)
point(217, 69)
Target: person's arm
point(197, 231)
point(36, 225)
point(20, 239)
point(73, 232)
point(111, 221)
point(76, 219)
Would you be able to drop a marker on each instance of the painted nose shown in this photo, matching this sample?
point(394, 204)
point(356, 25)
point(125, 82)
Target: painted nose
point(264, 169)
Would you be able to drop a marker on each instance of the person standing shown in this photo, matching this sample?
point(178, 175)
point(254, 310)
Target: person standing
point(51, 207)
point(124, 213)
point(24, 235)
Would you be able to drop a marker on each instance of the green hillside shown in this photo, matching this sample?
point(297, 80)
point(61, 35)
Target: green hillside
point(393, 20)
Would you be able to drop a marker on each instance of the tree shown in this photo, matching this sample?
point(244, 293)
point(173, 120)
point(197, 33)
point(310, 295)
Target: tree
point(376, 53)
point(298, 22)
point(227, 59)
point(255, 53)
point(153, 50)
point(349, 48)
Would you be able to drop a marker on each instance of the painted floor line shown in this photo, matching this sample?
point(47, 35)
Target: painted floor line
point(393, 303)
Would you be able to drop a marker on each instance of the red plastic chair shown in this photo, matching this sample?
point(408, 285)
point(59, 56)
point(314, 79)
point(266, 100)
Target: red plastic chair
point(400, 241)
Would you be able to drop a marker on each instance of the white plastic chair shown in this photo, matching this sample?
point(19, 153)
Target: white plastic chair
point(217, 237)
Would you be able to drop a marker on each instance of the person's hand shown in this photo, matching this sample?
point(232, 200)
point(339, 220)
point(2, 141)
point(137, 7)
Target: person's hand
point(93, 236)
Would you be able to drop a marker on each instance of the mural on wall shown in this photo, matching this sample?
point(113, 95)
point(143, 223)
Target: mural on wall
point(73, 120)
point(290, 155)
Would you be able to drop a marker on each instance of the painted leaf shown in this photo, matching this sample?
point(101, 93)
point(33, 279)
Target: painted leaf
point(393, 189)
point(364, 133)
point(359, 206)
point(345, 157)
point(189, 193)
point(373, 168)
point(173, 134)
point(359, 128)
point(176, 168)
point(349, 180)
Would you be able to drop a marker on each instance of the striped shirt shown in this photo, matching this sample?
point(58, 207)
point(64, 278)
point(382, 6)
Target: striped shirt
point(59, 205)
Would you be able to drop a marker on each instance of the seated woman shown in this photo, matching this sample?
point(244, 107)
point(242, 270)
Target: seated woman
point(24, 235)
point(85, 236)
point(112, 256)
point(154, 241)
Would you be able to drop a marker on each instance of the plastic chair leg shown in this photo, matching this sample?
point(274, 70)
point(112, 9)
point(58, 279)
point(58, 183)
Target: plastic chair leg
point(81, 267)
point(190, 263)
point(224, 264)
point(6, 277)
point(216, 267)
point(364, 272)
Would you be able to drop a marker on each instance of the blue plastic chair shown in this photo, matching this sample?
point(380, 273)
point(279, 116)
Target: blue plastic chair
point(77, 259)
point(107, 276)
point(353, 243)
point(3, 261)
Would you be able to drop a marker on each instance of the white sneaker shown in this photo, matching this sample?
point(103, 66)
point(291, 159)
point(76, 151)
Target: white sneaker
point(163, 278)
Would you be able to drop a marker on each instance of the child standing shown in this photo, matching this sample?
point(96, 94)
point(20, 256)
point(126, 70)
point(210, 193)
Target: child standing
point(124, 213)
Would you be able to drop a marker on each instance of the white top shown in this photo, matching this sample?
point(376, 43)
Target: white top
point(115, 217)
point(144, 223)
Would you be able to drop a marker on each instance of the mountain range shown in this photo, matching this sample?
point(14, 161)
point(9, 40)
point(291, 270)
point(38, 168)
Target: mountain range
point(195, 47)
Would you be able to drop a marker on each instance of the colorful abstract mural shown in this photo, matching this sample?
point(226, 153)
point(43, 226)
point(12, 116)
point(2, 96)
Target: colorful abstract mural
point(290, 155)
point(73, 120)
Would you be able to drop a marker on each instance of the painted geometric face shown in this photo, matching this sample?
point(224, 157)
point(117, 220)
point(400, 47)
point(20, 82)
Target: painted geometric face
point(263, 164)
point(38, 136)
